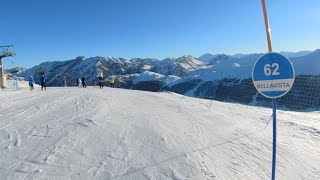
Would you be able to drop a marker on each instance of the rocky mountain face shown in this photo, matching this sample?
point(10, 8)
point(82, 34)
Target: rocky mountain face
point(214, 59)
point(178, 67)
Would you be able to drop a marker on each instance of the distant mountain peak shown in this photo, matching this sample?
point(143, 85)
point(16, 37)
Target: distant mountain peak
point(81, 58)
point(186, 57)
point(295, 54)
point(316, 51)
point(169, 59)
point(213, 59)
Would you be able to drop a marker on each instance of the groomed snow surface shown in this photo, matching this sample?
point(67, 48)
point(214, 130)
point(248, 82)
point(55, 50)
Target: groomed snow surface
point(74, 133)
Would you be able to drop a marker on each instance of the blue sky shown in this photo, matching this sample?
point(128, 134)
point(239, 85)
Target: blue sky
point(48, 30)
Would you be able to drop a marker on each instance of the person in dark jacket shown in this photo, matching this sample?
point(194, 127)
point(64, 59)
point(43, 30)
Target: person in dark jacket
point(101, 82)
point(94, 82)
point(31, 82)
point(43, 81)
point(83, 81)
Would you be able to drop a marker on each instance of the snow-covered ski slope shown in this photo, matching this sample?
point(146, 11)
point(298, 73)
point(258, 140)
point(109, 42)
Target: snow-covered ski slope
point(73, 133)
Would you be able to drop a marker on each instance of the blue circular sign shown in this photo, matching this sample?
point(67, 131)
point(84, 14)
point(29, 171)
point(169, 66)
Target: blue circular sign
point(273, 75)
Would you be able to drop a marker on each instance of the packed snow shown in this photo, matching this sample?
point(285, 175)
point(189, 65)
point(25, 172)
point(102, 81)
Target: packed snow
point(74, 133)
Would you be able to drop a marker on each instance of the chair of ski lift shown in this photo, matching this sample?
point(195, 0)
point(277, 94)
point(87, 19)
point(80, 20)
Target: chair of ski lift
point(5, 52)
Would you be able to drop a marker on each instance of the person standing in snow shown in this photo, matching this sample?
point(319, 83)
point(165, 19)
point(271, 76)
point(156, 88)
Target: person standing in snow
point(112, 82)
point(94, 82)
point(43, 81)
point(31, 82)
point(101, 82)
point(16, 84)
point(83, 81)
point(80, 82)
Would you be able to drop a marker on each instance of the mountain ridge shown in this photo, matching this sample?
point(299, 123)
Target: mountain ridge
point(207, 66)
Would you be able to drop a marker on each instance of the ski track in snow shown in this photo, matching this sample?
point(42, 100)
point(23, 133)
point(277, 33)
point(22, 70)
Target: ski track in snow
point(74, 133)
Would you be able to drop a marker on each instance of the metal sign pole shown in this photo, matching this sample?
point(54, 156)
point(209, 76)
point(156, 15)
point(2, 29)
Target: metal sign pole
point(1, 73)
point(274, 137)
point(274, 101)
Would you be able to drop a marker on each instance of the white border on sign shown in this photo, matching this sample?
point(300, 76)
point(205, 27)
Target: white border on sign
point(294, 75)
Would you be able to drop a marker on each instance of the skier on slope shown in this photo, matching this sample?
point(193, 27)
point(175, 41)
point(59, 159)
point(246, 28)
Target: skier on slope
point(43, 81)
point(80, 82)
point(111, 81)
point(31, 82)
point(94, 82)
point(83, 81)
point(101, 82)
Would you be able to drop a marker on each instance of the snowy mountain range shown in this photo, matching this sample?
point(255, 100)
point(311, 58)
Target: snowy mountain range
point(206, 67)
point(197, 77)
point(209, 58)
point(295, 54)
point(229, 79)
point(225, 66)
point(168, 69)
